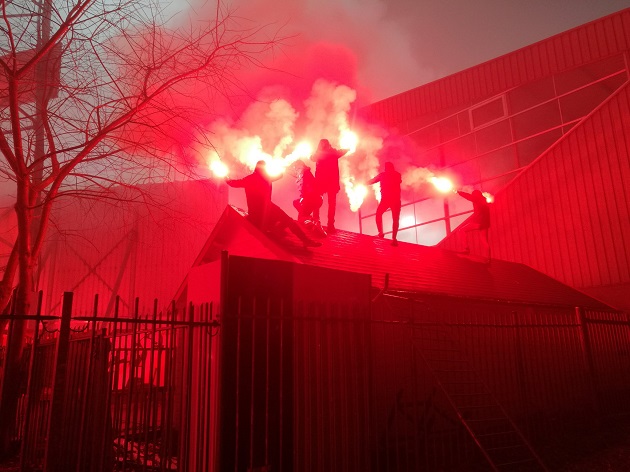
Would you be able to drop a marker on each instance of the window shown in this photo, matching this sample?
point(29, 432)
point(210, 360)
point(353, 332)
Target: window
point(487, 112)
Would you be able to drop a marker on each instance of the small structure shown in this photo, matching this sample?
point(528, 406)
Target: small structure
point(363, 356)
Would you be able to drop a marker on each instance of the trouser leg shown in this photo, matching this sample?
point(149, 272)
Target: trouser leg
point(332, 206)
point(379, 219)
point(395, 220)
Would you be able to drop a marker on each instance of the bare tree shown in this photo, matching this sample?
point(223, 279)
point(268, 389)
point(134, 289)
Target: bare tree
point(101, 92)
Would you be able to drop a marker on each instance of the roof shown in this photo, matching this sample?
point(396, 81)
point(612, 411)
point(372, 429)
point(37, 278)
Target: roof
point(410, 267)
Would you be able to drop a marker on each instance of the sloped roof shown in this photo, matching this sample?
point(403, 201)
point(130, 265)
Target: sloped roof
point(410, 267)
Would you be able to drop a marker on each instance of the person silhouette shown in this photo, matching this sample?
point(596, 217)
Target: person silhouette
point(390, 181)
point(326, 160)
point(261, 211)
point(479, 221)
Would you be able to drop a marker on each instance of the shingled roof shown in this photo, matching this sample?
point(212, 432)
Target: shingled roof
point(408, 267)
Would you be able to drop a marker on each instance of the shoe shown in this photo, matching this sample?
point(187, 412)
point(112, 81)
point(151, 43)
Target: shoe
point(331, 229)
point(394, 243)
point(311, 243)
point(319, 231)
point(381, 235)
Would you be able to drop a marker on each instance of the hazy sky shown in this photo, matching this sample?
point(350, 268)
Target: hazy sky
point(401, 44)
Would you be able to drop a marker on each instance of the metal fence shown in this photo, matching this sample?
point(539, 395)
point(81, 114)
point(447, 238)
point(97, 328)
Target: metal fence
point(284, 386)
point(112, 393)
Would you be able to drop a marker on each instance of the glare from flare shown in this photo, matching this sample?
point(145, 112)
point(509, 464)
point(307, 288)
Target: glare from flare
point(442, 184)
point(275, 166)
point(349, 140)
point(218, 168)
point(356, 194)
point(489, 197)
point(407, 221)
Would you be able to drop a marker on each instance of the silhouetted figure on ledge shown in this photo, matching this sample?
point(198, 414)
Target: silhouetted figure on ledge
point(326, 160)
point(310, 199)
point(261, 211)
point(480, 219)
point(390, 181)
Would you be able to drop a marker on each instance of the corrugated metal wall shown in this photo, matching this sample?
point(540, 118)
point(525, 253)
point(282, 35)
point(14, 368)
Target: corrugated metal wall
point(568, 214)
point(132, 249)
point(593, 41)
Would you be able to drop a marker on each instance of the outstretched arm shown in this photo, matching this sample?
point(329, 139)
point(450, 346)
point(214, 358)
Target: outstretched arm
point(238, 183)
point(374, 179)
point(466, 195)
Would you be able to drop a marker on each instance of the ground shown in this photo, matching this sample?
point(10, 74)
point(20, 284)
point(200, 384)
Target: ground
point(606, 449)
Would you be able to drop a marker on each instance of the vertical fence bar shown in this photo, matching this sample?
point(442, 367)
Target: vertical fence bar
point(588, 360)
point(281, 389)
point(267, 386)
point(53, 461)
point(239, 316)
point(86, 386)
point(169, 375)
point(148, 407)
point(111, 384)
point(185, 443)
point(25, 447)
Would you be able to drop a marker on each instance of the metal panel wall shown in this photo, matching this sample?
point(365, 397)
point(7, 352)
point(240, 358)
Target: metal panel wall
point(115, 246)
point(596, 40)
point(568, 214)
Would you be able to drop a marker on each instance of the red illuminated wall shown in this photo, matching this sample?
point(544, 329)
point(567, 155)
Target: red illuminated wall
point(568, 215)
point(588, 43)
point(545, 129)
point(111, 247)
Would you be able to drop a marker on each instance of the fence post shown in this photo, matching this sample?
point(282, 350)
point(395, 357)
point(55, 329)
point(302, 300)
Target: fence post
point(53, 459)
point(26, 429)
point(587, 353)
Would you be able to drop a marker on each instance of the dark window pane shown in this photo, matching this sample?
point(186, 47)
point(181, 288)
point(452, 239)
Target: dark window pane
point(464, 122)
point(539, 119)
point(572, 79)
point(494, 185)
point(449, 128)
point(467, 172)
point(582, 102)
point(493, 136)
point(426, 138)
point(487, 112)
point(459, 150)
point(531, 148)
point(497, 163)
point(530, 95)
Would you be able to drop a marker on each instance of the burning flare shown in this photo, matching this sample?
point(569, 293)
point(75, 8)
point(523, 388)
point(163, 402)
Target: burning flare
point(356, 193)
point(349, 140)
point(442, 184)
point(218, 168)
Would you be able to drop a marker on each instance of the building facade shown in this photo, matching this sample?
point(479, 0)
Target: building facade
point(544, 130)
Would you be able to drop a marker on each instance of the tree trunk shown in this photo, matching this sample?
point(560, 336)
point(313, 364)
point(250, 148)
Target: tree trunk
point(11, 385)
point(6, 284)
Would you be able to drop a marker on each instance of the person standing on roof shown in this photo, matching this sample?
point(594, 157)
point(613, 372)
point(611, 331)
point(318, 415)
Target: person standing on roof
point(326, 160)
point(390, 181)
point(480, 219)
point(261, 211)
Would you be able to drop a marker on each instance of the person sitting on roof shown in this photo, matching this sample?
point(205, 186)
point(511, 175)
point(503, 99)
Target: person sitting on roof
point(390, 181)
point(480, 219)
point(262, 212)
point(310, 199)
